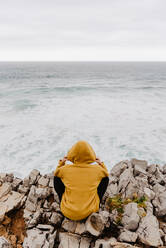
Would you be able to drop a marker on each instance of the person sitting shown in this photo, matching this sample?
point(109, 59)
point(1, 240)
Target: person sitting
point(80, 186)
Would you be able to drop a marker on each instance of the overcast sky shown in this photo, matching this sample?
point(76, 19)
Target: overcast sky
point(111, 30)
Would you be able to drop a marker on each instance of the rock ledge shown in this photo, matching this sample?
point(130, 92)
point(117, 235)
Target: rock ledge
point(30, 215)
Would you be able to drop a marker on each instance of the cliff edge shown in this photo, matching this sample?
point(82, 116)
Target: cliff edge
point(132, 213)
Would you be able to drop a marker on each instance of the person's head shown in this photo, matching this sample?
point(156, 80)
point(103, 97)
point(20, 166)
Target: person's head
point(81, 152)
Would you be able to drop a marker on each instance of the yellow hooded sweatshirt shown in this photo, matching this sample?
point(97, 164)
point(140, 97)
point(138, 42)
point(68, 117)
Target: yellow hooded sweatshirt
point(81, 180)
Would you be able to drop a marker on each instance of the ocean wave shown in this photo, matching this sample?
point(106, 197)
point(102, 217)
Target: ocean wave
point(121, 116)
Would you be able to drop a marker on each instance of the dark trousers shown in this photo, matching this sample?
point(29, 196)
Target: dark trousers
point(60, 187)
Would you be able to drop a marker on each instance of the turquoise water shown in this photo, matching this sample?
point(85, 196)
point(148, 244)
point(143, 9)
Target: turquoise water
point(120, 108)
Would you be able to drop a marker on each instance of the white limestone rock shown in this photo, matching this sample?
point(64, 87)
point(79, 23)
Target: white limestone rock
point(118, 169)
point(68, 240)
point(152, 169)
point(55, 207)
point(69, 225)
point(56, 219)
point(112, 190)
point(35, 218)
point(130, 218)
point(128, 236)
point(125, 179)
point(164, 169)
point(4, 243)
point(142, 163)
point(102, 243)
point(112, 243)
point(5, 189)
point(80, 228)
point(35, 239)
point(158, 188)
point(148, 231)
point(43, 181)
point(26, 182)
point(150, 195)
point(85, 242)
point(94, 224)
point(42, 193)
point(10, 202)
point(33, 176)
point(3, 176)
point(160, 204)
point(22, 189)
point(16, 182)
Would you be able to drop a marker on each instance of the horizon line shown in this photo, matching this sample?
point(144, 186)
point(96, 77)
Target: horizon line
point(98, 61)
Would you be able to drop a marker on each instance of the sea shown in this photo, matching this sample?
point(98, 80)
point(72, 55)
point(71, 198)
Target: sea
point(45, 107)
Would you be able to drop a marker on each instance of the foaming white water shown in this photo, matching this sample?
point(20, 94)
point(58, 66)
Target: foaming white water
point(38, 124)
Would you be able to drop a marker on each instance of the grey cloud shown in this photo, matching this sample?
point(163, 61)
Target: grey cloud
point(77, 24)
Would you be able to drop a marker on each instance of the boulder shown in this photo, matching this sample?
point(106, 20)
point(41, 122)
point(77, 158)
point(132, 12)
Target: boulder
point(130, 218)
point(40, 237)
point(160, 204)
point(94, 224)
point(32, 196)
point(127, 236)
point(142, 163)
point(112, 243)
point(43, 181)
point(16, 182)
point(3, 176)
point(4, 243)
point(105, 215)
point(157, 188)
point(118, 169)
point(33, 220)
point(69, 225)
point(35, 238)
point(55, 206)
point(152, 169)
point(159, 176)
point(163, 227)
point(148, 231)
point(5, 189)
point(2, 212)
point(68, 240)
point(56, 219)
point(125, 179)
point(73, 226)
point(26, 182)
point(22, 189)
point(30, 206)
point(33, 176)
point(150, 195)
point(85, 242)
point(80, 228)
point(10, 201)
point(164, 169)
point(112, 190)
point(102, 243)
point(140, 166)
point(42, 193)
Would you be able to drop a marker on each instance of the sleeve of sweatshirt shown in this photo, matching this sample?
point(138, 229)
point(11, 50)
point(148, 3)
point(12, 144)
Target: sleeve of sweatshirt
point(104, 170)
point(57, 172)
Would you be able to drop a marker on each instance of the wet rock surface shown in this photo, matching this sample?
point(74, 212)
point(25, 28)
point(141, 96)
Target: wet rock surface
point(30, 215)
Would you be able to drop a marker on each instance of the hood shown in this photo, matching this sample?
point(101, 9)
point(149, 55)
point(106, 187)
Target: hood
point(81, 152)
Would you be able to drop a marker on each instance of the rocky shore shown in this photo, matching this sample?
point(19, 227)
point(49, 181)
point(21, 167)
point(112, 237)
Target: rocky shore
point(132, 213)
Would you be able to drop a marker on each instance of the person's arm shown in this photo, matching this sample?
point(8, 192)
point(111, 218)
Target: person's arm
point(60, 164)
point(105, 171)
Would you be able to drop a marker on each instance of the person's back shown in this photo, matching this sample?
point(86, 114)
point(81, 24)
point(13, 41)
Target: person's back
point(81, 180)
